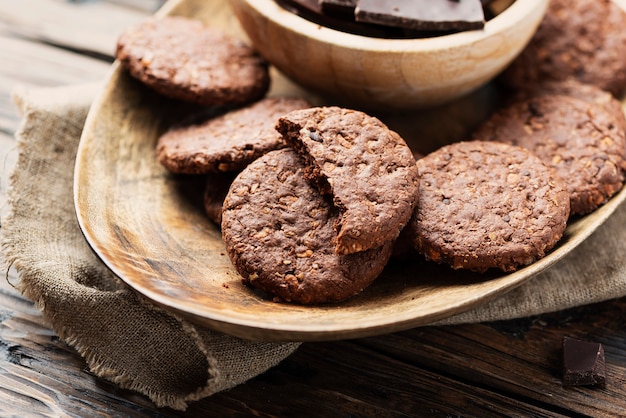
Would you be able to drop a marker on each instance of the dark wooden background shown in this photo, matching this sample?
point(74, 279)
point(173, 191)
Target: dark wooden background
point(510, 368)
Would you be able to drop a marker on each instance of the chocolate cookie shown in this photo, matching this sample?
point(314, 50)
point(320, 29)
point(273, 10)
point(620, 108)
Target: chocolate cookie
point(572, 87)
point(487, 205)
point(215, 191)
point(584, 39)
point(581, 141)
point(183, 59)
point(368, 169)
point(278, 231)
point(228, 142)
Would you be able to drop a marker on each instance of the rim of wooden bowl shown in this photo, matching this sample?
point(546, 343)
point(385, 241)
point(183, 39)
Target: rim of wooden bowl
point(514, 15)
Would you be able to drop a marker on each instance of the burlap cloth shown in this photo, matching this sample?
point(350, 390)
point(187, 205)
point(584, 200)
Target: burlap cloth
point(127, 340)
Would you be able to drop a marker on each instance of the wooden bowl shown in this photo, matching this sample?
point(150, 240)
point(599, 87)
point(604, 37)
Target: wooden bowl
point(381, 73)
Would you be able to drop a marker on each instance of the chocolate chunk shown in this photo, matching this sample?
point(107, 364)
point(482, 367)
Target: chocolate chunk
point(312, 10)
point(338, 7)
point(583, 363)
point(423, 14)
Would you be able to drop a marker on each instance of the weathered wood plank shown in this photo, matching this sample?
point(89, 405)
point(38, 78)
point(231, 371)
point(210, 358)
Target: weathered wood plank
point(91, 26)
point(524, 367)
point(471, 370)
point(368, 382)
point(38, 65)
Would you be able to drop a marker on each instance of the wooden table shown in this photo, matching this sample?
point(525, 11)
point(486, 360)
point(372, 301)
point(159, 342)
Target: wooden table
point(509, 368)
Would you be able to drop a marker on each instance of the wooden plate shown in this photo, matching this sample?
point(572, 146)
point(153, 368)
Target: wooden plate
point(149, 227)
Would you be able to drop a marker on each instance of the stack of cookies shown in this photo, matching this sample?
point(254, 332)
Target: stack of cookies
point(313, 202)
point(316, 222)
point(310, 200)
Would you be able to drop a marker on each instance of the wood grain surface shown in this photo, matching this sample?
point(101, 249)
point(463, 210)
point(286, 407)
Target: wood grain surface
point(509, 368)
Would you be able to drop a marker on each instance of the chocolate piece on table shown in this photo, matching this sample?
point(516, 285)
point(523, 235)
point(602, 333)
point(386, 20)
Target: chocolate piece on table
point(433, 15)
point(583, 363)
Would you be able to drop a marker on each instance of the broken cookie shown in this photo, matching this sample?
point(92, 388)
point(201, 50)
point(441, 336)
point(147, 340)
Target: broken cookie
point(367, 168)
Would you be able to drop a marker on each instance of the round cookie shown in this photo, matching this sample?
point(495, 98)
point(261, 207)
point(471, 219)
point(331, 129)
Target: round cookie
point(278, 231)
point(581, 141)
point(584, 39)
point(367, 168)
point(486, 205)
point(227, 142)
point(183, 59)
point(587, 92)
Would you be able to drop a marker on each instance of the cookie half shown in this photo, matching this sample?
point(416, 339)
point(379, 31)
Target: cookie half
point(183, 59)
point(279, 233)
point(367, 168)
point(581, 141)
point(227, 142)
point(584, 39)
point(486, 205)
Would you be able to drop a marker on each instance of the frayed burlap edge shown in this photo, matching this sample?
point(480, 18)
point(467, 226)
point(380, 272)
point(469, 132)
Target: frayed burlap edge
point(80, 297)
